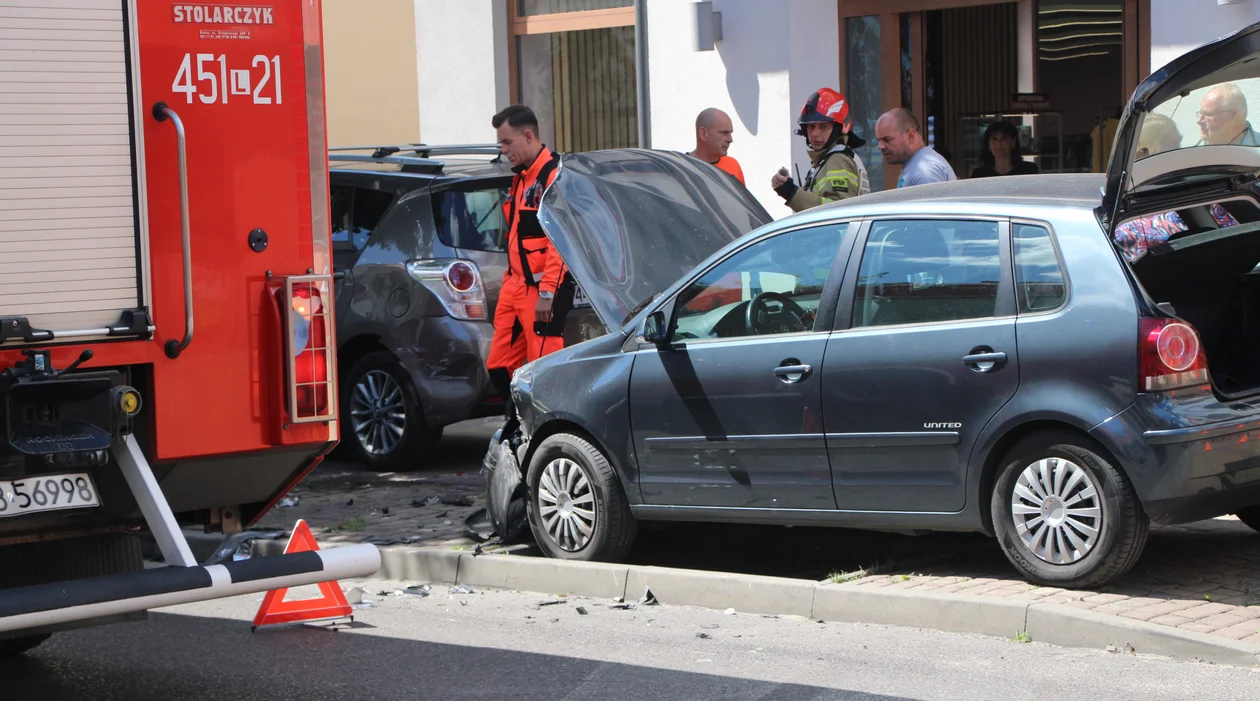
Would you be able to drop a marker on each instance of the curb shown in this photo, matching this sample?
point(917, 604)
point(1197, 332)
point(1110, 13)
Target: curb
point(1047, 623)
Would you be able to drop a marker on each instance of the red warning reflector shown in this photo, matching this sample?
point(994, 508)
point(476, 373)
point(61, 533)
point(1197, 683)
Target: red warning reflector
point(275, 610)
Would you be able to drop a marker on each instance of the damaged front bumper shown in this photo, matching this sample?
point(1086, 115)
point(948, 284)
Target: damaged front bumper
point(505, 485)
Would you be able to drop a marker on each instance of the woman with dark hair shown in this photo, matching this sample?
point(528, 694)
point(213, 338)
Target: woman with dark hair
point(1001, 153)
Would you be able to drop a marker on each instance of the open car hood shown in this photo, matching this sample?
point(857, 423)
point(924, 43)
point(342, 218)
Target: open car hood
point(630, 222)
point(1149, 160)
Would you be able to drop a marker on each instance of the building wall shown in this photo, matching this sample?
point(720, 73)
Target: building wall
point(462, 68)
point(370, 72)
point(1178, 26)
point(771, 57)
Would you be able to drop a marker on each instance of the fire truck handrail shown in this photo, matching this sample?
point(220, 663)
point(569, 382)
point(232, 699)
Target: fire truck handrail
point(161, 113)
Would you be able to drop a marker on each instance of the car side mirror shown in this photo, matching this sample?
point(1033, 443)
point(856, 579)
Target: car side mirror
point(656, 329)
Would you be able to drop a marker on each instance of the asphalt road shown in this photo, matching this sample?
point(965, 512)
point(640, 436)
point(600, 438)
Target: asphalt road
point(496, 645)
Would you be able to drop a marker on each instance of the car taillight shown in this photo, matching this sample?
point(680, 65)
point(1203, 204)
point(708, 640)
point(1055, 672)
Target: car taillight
point(456, 284)
point(310, 341)
point(1170, 355)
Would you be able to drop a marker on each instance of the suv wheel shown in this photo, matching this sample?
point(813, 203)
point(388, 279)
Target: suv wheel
point(577, 508)
point(1064, 515)
point(16, 646)
point(384, 427)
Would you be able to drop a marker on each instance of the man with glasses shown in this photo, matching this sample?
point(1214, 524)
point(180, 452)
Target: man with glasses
point(1223, 118)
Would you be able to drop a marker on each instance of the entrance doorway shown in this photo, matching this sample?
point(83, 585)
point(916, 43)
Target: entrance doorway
point(960, 65)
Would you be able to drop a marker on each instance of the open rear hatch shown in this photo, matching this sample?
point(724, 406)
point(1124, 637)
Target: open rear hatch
point(1182, 202)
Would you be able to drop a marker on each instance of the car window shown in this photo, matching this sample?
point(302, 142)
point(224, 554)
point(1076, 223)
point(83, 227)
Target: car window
point(1038, 277)
point(342, 199)
point(472, 219)
point(355, 213)
point(780, 278)
point(927, 271)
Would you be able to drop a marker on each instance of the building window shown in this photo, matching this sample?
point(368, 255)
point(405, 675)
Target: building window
point(864, 90)
point(573, 62)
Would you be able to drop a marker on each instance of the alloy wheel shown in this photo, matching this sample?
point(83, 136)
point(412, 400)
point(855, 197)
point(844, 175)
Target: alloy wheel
point(567, 504)
point(1057, 509)
point(377, 412)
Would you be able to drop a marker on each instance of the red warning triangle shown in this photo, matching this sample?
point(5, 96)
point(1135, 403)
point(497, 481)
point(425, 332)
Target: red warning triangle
point(275, 609)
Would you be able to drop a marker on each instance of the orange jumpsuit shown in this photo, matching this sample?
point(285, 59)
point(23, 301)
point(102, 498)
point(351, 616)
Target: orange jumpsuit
point(533, 266)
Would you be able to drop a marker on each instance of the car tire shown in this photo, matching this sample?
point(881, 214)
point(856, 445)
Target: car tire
point(12, 647)
point(1250, 516)
point(1085, 492)
point(560, 521)
point(377, 401)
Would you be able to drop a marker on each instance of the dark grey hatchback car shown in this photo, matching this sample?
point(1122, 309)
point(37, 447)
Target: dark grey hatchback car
point(1053, 360)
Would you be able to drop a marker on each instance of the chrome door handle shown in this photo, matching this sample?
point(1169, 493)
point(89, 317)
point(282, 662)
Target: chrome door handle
point(161, 113)
point(793, 373)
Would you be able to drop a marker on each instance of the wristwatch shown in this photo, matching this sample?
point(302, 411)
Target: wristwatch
point(543, 294)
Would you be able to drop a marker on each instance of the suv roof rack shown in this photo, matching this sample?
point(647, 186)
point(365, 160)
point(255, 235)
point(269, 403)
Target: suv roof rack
point(425, 151)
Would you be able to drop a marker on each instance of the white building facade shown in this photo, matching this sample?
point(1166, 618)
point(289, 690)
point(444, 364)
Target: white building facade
point(634, 73)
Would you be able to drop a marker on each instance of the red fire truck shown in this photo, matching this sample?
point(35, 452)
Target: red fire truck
point(166, 321)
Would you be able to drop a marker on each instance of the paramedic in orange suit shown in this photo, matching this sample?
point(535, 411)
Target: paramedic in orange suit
point(536, 279)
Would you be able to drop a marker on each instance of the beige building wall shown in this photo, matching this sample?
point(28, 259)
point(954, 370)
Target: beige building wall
point(370, 70)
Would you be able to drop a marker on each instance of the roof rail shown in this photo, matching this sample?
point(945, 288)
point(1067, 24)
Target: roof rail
point(396, 160)
point(427, 150)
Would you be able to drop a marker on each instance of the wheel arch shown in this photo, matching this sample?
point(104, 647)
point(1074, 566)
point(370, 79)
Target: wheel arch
point(1012, 436)
point(564, 423)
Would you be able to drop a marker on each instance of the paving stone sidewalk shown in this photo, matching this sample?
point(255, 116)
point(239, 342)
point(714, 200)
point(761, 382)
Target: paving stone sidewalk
point(1202, 577)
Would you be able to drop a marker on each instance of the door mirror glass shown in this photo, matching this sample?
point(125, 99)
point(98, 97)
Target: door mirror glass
point(655, 328)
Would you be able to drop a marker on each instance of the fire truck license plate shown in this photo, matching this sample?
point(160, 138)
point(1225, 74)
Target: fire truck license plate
point(47, 493)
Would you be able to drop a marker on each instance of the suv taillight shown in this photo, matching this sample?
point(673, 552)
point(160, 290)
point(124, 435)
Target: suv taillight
point(1170, 355)
point(456, 284)
point(312, 395)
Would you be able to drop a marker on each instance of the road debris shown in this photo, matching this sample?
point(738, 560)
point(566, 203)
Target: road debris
point(289, 502)
point(703, 636)
point(729, 612)
point(581, 611)
point(456, 500)
point(551, 602)
point(648, 599)
point(1127, 648)
point(622, 607)
point(461, 589)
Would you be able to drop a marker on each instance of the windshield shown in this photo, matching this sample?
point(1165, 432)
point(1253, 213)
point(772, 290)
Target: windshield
point(1215, 115)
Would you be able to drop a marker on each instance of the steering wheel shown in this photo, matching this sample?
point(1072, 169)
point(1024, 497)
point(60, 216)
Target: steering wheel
point(757, 311)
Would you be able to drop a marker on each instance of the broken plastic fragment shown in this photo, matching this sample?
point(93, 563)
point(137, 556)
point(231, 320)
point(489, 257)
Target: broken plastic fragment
point(649, 599)
point(461, 589)
point(456, 500)
point(581, 611)
point(288, 502)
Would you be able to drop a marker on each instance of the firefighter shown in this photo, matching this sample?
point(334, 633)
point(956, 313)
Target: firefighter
point(837, 171)
point(537, 289)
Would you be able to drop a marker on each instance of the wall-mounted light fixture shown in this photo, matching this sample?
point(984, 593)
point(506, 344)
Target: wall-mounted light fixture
point(708, 26)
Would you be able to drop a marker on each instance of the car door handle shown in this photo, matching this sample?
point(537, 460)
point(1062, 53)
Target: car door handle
point(976, 358)
point(793, 373)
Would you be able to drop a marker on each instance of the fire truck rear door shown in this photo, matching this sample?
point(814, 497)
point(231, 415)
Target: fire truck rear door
point(70, 238)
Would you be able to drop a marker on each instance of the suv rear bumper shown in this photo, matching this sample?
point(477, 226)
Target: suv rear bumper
point(446, 359)
point(1189, 473)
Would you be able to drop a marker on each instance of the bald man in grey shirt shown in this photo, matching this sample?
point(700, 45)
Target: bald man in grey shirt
point(902, 144)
